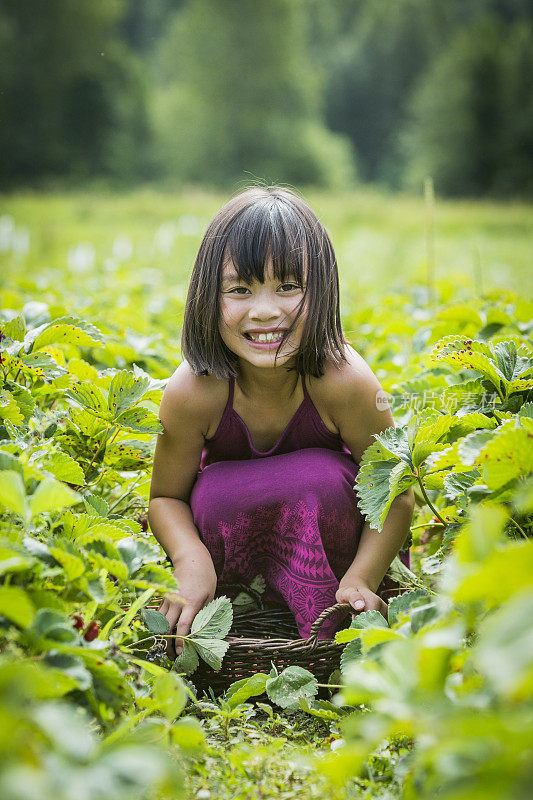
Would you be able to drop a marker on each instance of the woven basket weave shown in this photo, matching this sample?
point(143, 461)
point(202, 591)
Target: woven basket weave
point(268, 635)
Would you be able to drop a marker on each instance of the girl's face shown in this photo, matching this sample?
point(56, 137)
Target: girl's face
point(247, 311)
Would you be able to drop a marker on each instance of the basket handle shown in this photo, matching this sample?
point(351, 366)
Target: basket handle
point(328, 612)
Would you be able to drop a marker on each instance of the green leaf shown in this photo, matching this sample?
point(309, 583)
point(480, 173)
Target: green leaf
point(241, 691)
point(403, 603)
point(90, 397)
point(509, 455)
point(472, 445)
point(155, 621)
point(15, 328)
point(51, 495)
point(73, 566)
point(65, 468)
point(456, 483)
point(170, 695)
point(55, 625)
point(369, 619)
point(352, 652)
point(377, 485)
point(394, 441)
point(291, 684)
point(39, 365)
point(16, 606)
point(139, 419)
point(68, 330)
point(214, 620)
point(12, 492)
point(320, 708)
point(70, 665)
point(95, 506)
point(125, 390)
point(211, 650)
point(187, 661)
point(9, 409)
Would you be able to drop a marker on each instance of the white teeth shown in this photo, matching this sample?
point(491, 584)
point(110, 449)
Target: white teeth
point(266, 337)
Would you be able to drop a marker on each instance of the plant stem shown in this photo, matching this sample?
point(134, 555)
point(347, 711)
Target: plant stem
point(426, 498)
point(524, 534)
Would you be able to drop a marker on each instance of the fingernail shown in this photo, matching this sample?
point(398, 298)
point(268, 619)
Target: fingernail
point(359, 604)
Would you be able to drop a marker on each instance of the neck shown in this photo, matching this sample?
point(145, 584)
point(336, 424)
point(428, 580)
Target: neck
point(275, 384)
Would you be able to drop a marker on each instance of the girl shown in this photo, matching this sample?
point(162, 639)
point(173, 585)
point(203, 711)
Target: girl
point(265, 422)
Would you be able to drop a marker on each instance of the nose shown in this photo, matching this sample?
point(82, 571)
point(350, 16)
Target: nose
point(265, 306)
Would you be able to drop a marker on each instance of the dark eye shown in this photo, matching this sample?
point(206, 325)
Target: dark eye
point(237, 288)
point(291, 285)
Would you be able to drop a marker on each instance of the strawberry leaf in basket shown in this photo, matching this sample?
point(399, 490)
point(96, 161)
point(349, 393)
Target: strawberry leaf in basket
point(214, 620)
point(291, 684)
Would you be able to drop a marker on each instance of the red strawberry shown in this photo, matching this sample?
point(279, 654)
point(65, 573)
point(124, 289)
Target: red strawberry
point(92, 631)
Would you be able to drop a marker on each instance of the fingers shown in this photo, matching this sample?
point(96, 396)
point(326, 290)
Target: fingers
point(362, 599)
point(183, 627)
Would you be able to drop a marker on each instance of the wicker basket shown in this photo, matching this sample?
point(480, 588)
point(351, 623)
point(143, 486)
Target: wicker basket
point(268, 635)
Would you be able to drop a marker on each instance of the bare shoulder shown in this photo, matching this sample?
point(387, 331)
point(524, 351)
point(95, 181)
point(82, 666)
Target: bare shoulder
point(354, 399)
point(192, 398)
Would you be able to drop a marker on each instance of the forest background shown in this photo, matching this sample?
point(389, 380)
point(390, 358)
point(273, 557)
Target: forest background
point(214, 92)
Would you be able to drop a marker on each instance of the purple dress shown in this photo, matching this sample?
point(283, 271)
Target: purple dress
point(289, 513)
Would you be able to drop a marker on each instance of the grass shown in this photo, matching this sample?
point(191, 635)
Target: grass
point(380, 239)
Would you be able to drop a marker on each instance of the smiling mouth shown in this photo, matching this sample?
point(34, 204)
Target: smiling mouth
point(264, 338)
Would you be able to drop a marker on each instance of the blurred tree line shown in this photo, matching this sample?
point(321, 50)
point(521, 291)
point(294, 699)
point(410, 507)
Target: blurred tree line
point(298, 91)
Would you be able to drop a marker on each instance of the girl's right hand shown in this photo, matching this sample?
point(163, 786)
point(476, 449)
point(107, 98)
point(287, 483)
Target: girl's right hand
point(197, 583)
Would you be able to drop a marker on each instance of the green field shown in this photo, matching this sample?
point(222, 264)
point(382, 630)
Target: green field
point(381, 240)
point(435, 700)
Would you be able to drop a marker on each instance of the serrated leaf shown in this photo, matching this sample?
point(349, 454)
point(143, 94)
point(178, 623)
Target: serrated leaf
point(15, 328)
point(9, 409)
point(125, 390)
point(23, 398)
point(214, 620)
point(90, 397)
point(394, 441)
point(460, 352)
point(471, 446)
point(320, 708)
point(51, 495)
point(212, 651)
point(291, 684)
point(130, 452)
point(403, 603)
point(377, 486)
point(55, 625)
point(65, 468)
point(66, 330)
point(456, 483)
point(369, 619)
point(187, 661)
point(37, 365)
point(155, 621)
point(352, 652)
point(12, 491)
point(95, 506)
point(139, 419)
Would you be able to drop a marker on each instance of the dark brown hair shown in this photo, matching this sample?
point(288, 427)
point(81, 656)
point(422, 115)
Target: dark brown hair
point(258, 224)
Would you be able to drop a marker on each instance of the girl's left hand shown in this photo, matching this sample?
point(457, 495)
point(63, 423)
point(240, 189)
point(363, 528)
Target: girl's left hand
point(361, 598)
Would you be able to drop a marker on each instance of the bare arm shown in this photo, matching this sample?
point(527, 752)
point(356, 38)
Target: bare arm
point(182, 412)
